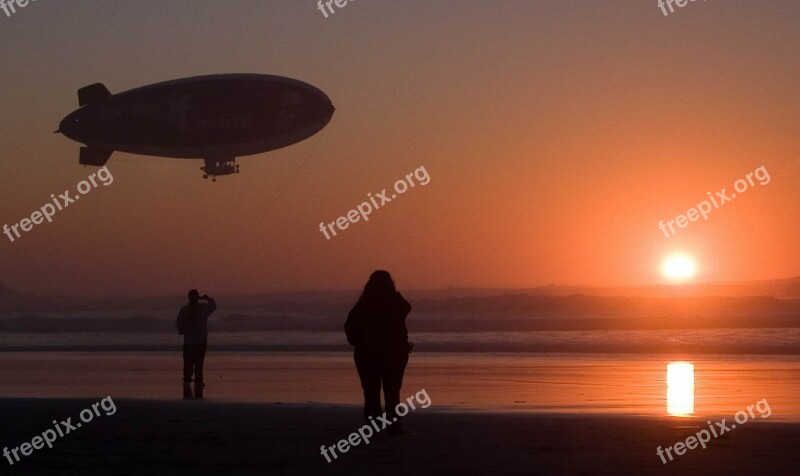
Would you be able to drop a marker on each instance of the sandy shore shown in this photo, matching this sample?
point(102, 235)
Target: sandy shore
point(557, 383)
point(205, 437)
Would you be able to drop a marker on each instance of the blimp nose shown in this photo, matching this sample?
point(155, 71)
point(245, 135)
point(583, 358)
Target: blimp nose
point(327, 107)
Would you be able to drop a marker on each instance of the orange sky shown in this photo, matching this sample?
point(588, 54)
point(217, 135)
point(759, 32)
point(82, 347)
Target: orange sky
point(556, 135)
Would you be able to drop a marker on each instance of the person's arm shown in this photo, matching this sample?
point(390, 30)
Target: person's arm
point(181, 320)
point(212, 304)
point(352, 327)
point(403, 306)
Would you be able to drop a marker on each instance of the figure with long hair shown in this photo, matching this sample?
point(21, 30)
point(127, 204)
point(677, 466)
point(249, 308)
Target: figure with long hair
point(376, 327)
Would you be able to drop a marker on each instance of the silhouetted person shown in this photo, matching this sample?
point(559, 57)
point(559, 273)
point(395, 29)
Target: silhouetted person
point(377, 328)
point(192, 323)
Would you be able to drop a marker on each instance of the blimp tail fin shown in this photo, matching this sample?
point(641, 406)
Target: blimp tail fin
point(95, 156)
point(92, 93)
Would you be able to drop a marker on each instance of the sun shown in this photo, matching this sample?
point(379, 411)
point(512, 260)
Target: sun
point(678, 267)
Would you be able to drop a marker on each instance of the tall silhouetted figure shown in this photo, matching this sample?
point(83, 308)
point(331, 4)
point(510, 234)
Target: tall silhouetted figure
point(192, 323)
point(377, 328)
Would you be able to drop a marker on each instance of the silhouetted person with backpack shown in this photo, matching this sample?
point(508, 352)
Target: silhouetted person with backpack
point(376, 326)
point(192, 323)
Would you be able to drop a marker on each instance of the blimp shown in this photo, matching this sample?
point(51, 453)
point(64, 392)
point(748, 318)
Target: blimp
point(216, 118)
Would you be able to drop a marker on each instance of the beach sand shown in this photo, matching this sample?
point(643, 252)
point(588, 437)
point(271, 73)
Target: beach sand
point(631, 384)
point(515, 414)
point(204, 437)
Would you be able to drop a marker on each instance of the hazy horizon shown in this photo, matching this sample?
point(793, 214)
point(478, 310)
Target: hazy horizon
point(696, 286)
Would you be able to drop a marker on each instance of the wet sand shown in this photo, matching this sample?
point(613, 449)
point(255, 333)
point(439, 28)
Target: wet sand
point(203, 437)
point(516, 414)
point(542, 383)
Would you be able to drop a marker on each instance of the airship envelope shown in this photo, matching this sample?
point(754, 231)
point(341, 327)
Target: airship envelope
point(215, 118)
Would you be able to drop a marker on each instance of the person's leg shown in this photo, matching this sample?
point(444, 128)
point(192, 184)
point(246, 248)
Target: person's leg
point(200, 358)
point(187, 371)
point(188, 363)
point(393, 369)
point(369, 374)
point(198, 370)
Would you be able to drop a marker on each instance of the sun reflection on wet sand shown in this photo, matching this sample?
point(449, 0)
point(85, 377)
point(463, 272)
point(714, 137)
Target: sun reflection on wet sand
point(680, 389)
